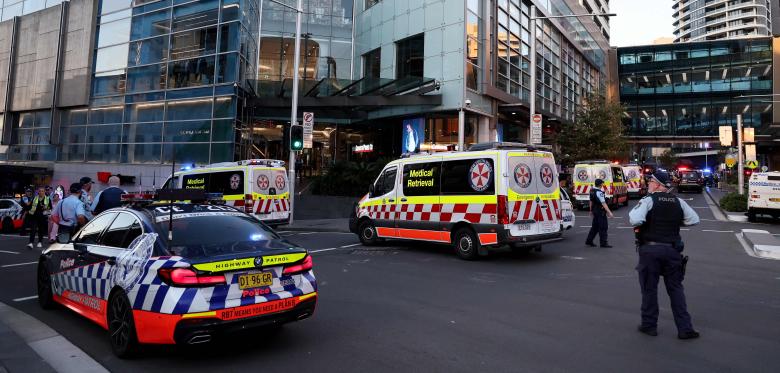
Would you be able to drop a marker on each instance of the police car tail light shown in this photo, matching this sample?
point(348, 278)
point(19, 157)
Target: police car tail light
point(304, 266)
point(755, 196)
point(187, 277)
point(503, 213)
point(249, 203)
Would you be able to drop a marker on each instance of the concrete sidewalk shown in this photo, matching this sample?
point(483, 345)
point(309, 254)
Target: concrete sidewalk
point(318, 225)
point(29, 345)
point(17, 356)
point(716, 194)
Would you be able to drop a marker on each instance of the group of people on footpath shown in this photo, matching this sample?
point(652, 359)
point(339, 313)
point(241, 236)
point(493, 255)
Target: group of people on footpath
point(657, 219)
point(53, 214)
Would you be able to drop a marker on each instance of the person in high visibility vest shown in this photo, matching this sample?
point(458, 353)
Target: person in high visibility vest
point(39, 216)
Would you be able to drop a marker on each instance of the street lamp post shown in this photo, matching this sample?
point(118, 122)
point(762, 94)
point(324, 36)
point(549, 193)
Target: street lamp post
point(532, 98)
point(294, 110)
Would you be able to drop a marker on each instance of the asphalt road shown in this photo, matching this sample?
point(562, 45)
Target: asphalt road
point(416, 307)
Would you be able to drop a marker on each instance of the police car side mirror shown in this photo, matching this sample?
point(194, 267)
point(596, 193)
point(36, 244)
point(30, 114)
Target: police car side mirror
point(80, 247)
point(63, 238)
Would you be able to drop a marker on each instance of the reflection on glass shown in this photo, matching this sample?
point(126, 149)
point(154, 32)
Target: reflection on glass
point(111, 58)
point(191, 73)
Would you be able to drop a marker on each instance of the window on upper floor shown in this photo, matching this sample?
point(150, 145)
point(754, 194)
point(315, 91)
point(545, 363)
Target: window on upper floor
point(370, 3)
point(371, 63)
point(410, 57)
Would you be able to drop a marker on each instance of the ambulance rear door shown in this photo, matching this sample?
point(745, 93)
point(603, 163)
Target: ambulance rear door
point(522, 193)
point(583, 181)
point(548, 213)
point(271, 193)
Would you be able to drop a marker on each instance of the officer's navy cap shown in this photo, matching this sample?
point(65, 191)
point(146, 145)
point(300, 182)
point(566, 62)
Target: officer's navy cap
point(662, 177)
point(599, 182)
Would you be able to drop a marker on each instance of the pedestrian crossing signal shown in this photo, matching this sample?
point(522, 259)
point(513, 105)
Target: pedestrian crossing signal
point(296, 138)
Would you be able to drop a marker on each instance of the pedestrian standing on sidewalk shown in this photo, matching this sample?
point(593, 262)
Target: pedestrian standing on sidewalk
point(39, 216)
point(599, 210)
point(108, 198)
point(70, 214)
point(26, 202)
point(658, 217)
point(55, 200)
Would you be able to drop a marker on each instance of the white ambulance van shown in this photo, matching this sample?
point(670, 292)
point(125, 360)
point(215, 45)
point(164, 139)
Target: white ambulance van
point(585, 175)
point(635, 185)
point(260, 186)
point(764, 195)
point(492, 195)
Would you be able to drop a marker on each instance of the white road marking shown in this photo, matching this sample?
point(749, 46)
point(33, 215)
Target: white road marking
point(25, 298)
point(572, 257)
point(708, 219)
point(18, 264)
point(584, 226)
point(334, 248)
point(685, 229)
point(711, 230)
point(13, 236)
point(283, 232)
point(8, 252)
point(701, 207)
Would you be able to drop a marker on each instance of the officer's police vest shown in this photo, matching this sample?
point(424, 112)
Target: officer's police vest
point(663, 220)
point(595, 202)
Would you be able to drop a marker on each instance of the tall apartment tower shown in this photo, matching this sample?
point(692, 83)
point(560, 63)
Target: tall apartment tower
point(700, 20)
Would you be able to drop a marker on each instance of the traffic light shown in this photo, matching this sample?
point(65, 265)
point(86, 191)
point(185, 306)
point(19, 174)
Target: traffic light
point(748, 172)
point(296, 138)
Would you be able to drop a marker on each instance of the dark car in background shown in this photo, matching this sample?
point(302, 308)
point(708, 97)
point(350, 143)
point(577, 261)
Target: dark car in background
point(691, 180)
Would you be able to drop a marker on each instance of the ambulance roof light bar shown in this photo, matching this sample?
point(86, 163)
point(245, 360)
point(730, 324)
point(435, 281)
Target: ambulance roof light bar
point(593, 161)
point(409, 155)
point(262, 162)
point(506, 145)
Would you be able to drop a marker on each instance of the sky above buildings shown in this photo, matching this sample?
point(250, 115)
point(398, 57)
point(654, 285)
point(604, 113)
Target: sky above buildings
point(640, 22)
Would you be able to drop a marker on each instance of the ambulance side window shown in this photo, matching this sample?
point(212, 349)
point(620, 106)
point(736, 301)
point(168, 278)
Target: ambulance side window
point(385, 183)
point(421, 179)
point(617, 175)
point(467, 177)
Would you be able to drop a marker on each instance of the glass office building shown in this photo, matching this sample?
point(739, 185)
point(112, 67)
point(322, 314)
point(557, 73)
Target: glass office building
point(677, 95)
point(165, 80)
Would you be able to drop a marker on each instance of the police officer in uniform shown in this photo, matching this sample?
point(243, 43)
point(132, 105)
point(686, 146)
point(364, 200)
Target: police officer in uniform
point(658, 217)
point(599, 210)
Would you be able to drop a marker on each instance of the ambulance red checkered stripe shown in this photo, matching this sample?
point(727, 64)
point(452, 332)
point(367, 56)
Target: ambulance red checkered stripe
point(449, 212)
point(525, 210)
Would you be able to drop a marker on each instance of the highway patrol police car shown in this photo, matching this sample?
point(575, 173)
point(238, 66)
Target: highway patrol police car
point(217, 270)
point(491, 195)
point(258, 186)
point(764, 195)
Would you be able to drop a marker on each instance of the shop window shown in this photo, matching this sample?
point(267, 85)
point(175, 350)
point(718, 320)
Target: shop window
point(410, 59)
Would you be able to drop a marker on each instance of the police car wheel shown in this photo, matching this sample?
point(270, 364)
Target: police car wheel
point(466, 244)
point(8, 225)
point(367, 233)
point(121, 328)
point(751, 216)
point(45, 299)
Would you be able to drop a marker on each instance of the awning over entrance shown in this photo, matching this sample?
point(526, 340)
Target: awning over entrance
point(341, 99)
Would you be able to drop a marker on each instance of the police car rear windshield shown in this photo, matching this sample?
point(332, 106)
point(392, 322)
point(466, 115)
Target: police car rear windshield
point(691, 175)
point(203, 231)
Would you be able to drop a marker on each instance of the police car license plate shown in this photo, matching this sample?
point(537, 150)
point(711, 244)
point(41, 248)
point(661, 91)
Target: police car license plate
point(774, 199)
point(255, 280)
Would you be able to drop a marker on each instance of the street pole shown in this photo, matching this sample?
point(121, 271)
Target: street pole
point(294, 109)
point(740, 158)
point(461, 129)
point(532, 96)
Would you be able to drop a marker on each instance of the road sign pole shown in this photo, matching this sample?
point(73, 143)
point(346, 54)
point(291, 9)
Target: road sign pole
point(740, 157)
point(294, 110)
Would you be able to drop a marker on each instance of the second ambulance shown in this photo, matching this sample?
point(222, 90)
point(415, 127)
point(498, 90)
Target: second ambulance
point(585, 175)
point(492, 195)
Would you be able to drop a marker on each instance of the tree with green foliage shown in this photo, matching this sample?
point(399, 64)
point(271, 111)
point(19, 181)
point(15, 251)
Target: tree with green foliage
point(596, 133)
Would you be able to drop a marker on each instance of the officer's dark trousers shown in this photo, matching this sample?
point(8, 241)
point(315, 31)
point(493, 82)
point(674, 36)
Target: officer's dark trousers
point(656, 261)
point(599, 226)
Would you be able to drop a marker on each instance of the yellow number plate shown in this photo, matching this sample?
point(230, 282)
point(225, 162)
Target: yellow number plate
point(255, 280)
point(774, 199)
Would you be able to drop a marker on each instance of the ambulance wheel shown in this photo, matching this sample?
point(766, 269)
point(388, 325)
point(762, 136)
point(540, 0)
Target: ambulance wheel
point(45, 299)
point(8, 225)
point(367, 233)
point(121, 327)
point(466, 244)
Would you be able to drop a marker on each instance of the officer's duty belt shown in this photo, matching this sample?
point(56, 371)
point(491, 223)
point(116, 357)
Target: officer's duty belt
point(657, 243)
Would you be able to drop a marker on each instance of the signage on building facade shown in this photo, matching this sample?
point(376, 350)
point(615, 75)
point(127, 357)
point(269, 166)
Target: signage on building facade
point(725, 135)
point(536, 129)
point(365, 148)
point(308, 129)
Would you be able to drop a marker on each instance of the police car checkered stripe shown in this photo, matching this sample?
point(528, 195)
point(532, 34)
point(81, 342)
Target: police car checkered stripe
point(150, 294)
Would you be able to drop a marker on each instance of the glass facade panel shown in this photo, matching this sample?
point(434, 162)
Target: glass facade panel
point(191, 73)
